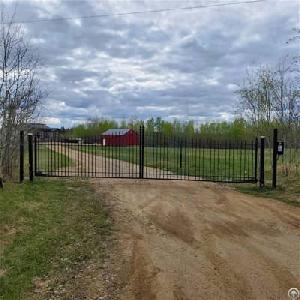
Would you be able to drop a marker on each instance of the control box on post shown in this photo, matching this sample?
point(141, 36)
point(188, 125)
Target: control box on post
point(280, 148)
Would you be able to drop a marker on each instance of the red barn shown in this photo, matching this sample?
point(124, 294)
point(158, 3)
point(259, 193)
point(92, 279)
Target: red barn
point(120, 137)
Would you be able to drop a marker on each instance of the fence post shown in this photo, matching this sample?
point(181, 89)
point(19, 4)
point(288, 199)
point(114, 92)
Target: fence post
point(256, 158)
point(262, 162)
point(30, 153)
point(21, 156)
point(35, 155)
point(140, 152)
point(180, 154)
point(143, 150)
point(274, 165)
point(141, 162)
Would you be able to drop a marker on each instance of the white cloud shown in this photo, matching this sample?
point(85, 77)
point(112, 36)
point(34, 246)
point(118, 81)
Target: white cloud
point(232, 86)
point(51, 121)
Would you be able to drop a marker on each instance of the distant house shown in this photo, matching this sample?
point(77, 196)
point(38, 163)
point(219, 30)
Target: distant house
point(42, 131)
point(120, 137)
point(35, 127)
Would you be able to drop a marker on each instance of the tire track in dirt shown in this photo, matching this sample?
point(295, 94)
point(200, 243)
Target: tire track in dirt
point(143, 273)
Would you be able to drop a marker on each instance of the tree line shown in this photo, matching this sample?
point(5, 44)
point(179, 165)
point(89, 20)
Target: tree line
point(238, 129)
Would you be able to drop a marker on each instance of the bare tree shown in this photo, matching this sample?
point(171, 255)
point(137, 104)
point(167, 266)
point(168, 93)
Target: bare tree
point(255, 97)
point(286, 92)
point(271, 95)
point(19, 88)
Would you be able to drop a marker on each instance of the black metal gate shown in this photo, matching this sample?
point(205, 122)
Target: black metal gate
point(152, 155)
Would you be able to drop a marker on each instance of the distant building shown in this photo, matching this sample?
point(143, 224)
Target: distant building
point(120, 137)
point(42, 131)
point(34, 127)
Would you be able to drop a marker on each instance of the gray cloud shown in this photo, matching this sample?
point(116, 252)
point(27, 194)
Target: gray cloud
point(182, 64)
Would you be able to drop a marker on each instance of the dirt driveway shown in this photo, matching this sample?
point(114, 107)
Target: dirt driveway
point(179, 240)
point(194, 240)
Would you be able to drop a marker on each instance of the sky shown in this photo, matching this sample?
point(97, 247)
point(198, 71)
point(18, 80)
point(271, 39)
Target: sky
point(183, 64)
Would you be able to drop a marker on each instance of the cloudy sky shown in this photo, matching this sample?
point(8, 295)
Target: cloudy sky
point(183, 64)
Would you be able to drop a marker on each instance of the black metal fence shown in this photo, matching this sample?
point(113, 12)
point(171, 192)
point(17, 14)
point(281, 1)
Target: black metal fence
point(146, 155)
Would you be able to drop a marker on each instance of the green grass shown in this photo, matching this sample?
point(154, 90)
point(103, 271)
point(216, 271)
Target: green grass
point(288, 190)
point(288, 178)
point(48, 228)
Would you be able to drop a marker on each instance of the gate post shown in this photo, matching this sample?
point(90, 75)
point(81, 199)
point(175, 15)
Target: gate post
point(256, 158)
point(35, 155)
point(21, 156)
point(262, 162)
point(141, 162)
point(30, 152)
point(274, 165)
point(180, 154)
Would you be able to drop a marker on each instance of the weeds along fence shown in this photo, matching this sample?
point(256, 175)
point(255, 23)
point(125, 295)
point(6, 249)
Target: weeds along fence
point(10, 158)
point(10, 165)
point(9, 161)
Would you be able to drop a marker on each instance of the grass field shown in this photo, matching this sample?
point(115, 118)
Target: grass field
point(49, 229)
